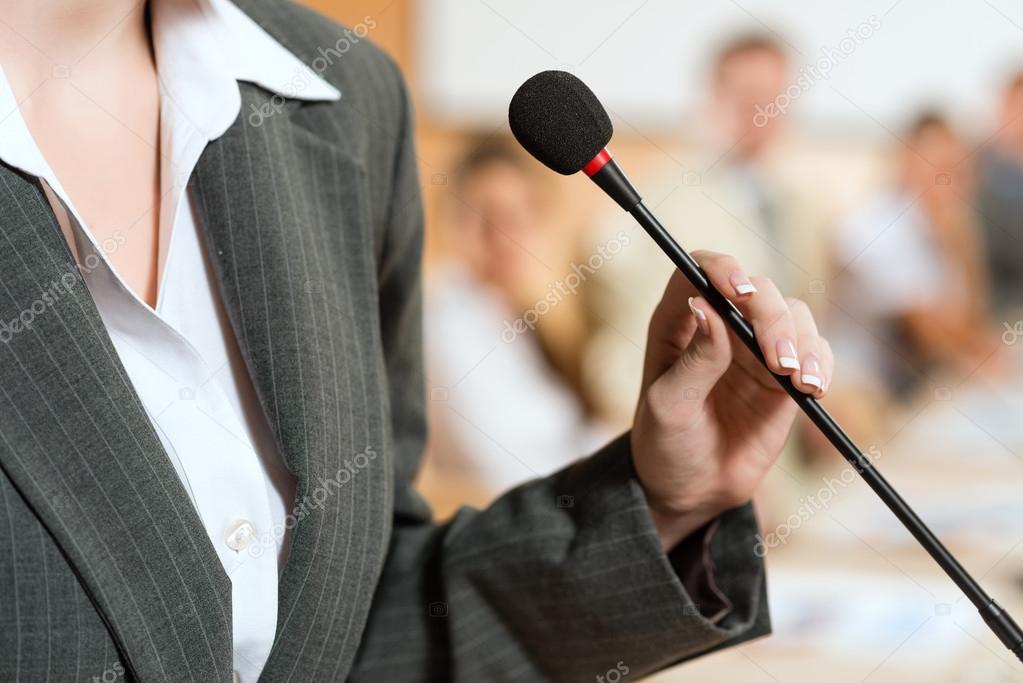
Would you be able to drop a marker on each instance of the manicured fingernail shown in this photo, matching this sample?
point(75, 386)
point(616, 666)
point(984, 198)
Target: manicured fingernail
point(787, 354)
point(741, 283)
point(701, 317)
point(812, 372)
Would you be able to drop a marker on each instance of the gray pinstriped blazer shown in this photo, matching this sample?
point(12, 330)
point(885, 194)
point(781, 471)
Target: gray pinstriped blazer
point(313, 222)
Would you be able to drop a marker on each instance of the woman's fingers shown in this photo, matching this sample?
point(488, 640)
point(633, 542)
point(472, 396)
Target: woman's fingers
point(726, 274)
point(815, 360)
point(672, 327)
point(760, 302)
point(676, 396)
point(785, 328)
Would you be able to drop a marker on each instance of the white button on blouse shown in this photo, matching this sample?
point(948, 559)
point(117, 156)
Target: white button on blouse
point(239, 535)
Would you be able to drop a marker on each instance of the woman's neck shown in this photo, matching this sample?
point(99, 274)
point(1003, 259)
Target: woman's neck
point(49, 38)
point(86, 85)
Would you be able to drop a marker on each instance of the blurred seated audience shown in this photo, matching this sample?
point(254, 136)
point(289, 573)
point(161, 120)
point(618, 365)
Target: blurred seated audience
point(1000, 203)
point(909, 295)
point(502, 338)
point(725, 192)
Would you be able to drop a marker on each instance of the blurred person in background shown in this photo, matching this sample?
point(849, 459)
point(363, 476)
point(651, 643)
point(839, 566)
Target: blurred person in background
point(910, 287)
point(496, 317)
point(746, 206)
point(1000, 202)
point(728, 193)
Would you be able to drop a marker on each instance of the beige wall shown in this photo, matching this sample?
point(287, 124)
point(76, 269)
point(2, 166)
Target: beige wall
point(853, 165)
point(440, 146)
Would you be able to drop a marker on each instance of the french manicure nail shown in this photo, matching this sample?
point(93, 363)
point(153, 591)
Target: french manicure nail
point(741, 283)
point(787, 354)
point(701, 317)
point(812, 372)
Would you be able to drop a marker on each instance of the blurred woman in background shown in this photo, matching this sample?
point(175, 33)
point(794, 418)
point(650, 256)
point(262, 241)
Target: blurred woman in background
point(911, 285)
point(498, 314)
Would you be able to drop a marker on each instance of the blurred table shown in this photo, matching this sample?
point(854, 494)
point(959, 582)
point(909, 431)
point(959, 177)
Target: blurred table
point(853, 597)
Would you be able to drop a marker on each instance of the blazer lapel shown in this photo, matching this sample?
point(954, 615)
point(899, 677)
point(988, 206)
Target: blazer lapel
point(77, 444)
point(288, 228)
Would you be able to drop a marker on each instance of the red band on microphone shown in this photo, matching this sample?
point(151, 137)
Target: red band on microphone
point(597, 162)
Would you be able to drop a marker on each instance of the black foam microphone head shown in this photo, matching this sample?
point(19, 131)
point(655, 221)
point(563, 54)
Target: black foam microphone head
point(559, 121)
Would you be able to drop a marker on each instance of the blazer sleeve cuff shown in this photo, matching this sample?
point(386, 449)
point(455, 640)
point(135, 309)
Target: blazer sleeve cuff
point(654, 605)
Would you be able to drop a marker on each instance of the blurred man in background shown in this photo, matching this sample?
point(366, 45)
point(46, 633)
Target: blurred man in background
point(727, 192)
point(494, 307)
point(745, 205)
point(911, 286)
point(1001, 202)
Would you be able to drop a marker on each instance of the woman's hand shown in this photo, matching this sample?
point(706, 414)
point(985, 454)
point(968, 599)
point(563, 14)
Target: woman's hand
point(711, 420)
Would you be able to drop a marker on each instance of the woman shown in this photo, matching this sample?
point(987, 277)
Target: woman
point(211, 402)
point(483, 285)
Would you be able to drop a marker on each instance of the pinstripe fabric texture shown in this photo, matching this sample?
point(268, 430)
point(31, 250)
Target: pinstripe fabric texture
point(313, 223)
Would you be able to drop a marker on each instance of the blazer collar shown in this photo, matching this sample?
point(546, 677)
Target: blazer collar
point(204, 47)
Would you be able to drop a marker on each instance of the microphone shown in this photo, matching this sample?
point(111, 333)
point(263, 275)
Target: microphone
point(559, 120)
